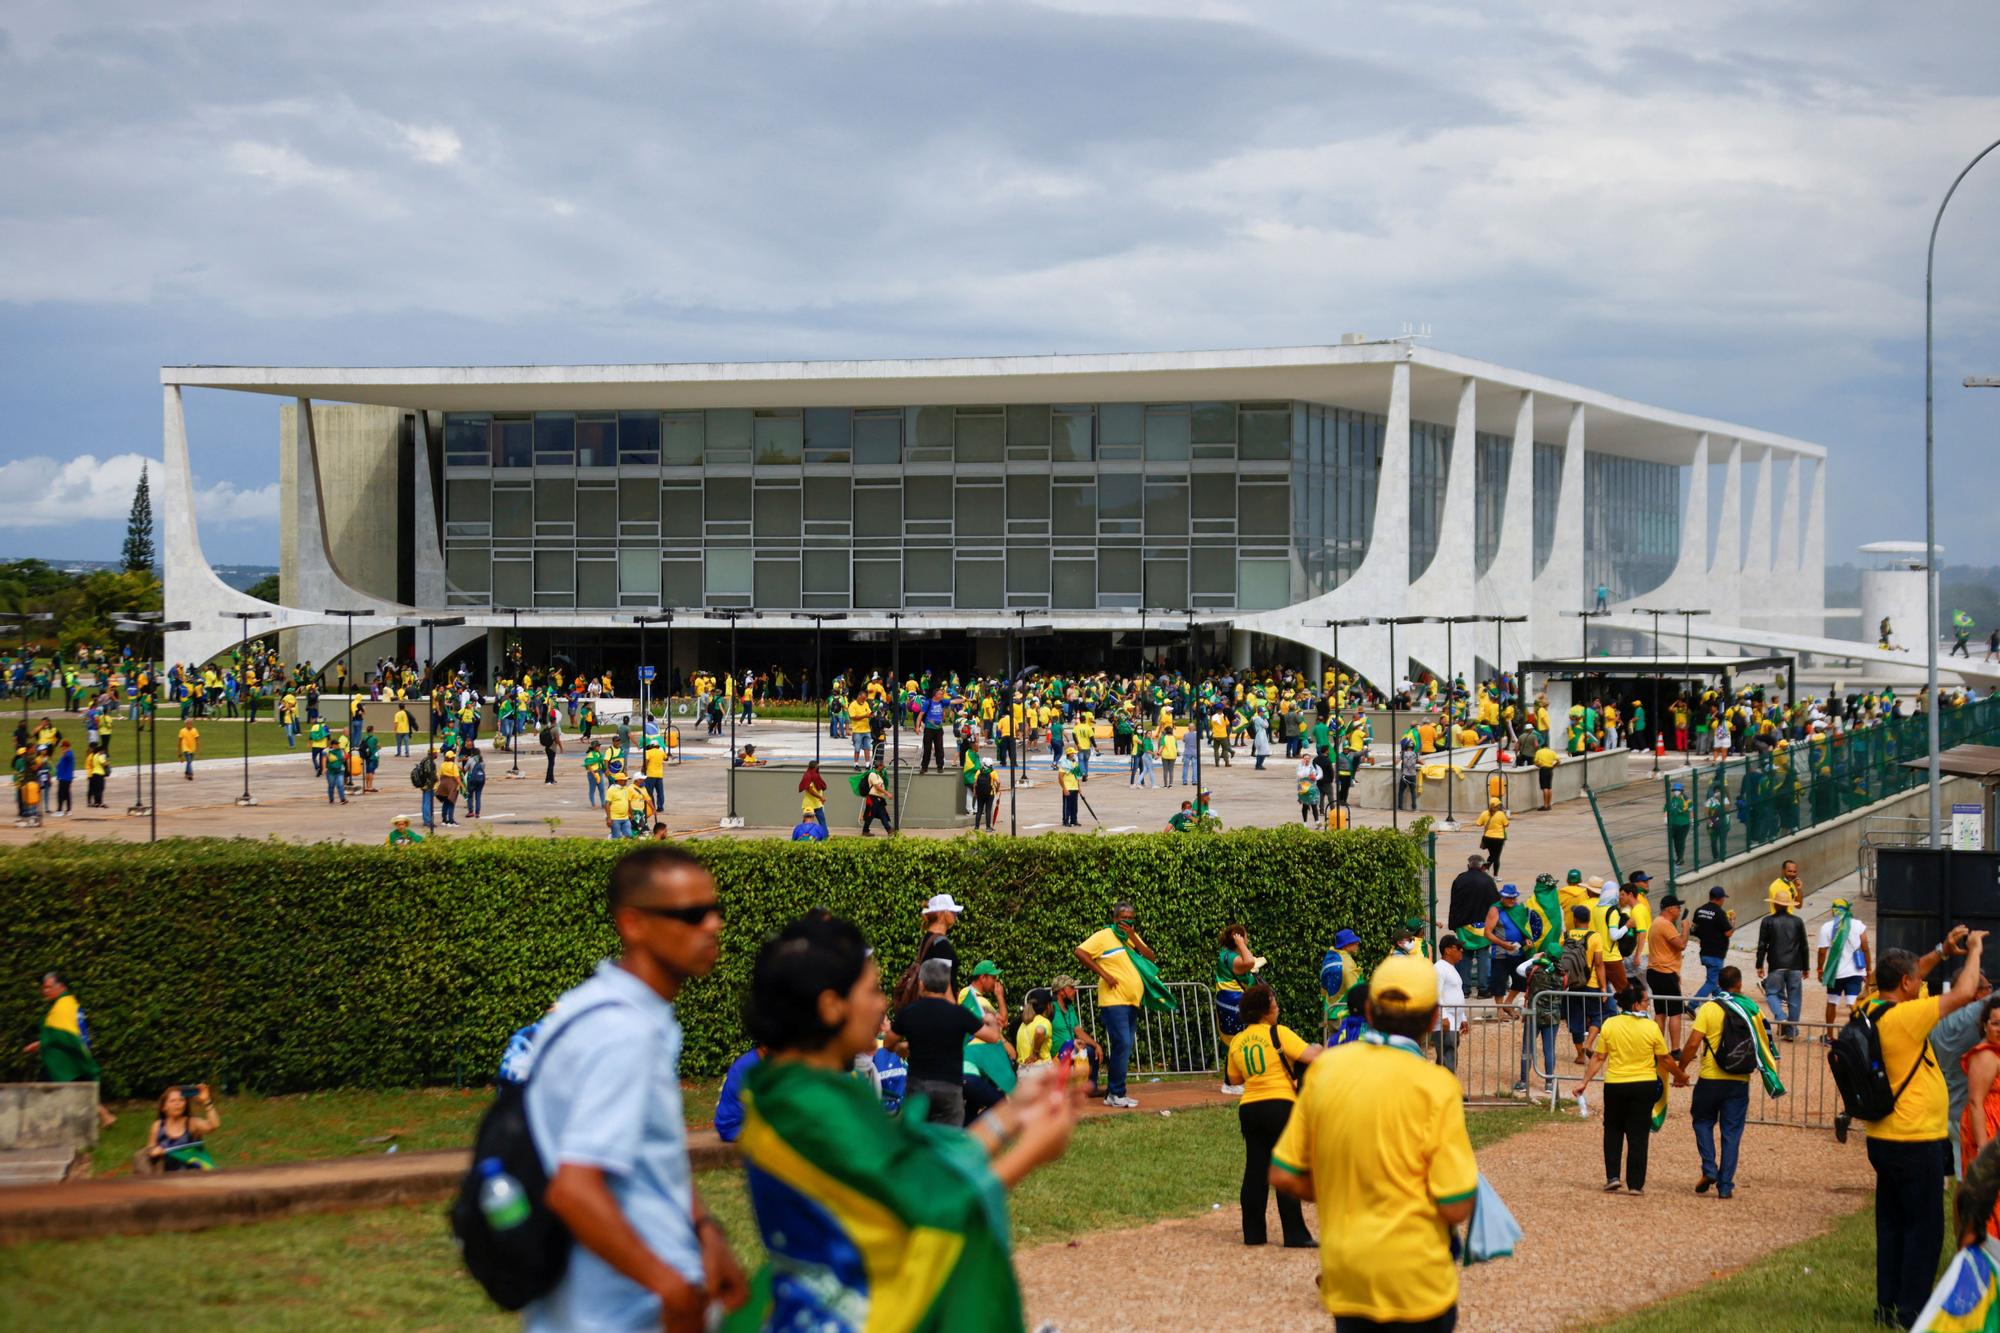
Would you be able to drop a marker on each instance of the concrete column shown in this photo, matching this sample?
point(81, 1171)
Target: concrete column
point(1507, 586)
point(428, 557)
point(1559, 585)
point(1239, 649)
point(1757, 557)
point(1725, 564)
point(1811, 587)
point(1558, 692)
point(1691, 569)
point(1453, 567)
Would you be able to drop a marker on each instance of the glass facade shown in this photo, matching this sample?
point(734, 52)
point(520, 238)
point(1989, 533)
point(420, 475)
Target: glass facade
point(1631, 522)
point(1241, 506)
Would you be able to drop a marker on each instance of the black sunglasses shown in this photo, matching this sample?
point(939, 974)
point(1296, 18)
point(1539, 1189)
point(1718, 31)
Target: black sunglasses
point(692, 915)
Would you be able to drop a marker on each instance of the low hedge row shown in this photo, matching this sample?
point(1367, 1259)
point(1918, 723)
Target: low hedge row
point(284, 967)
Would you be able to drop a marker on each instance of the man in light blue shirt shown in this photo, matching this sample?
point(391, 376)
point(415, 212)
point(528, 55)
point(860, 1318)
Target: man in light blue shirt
point(604, 1105)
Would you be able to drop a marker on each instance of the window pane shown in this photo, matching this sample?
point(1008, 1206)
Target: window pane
point(981, 439)
point(829, 499)
point(1214, 495)
point(596, 441)
point(639, 437)
point(468, 570)
point(1214, 423)
point(597, 581)
point(682, 436)
point(555, 571)
point(1027, 425)
point(778, 583)
point(680, 582)
point(555, 501)
point(1121, 424)
point(926, 498)
point(1167, 434)
point(1166, 510)
point(680, 512)
point(1214, 572)
point(1167, 584)
point(513, 514)
point(1073, 429)
point(1027, 497)
point(513, 442)
point(931, 427)
point(1073, 510)
point(639, 571)
point(777, 512)
point(638, 500)
point(825, 571)
point(1261, 511)
point(878, 583)
point(781, 437)
point(979, 512)
point(466, 438)
point(878, 512)
point(728, 573)
point(980, 585)
point(1118, 570)
point(1028, 569)
point(596, 514)
point(468, 501)
point(513, 583)
point(728, 499)
point(731, 433)
point(878, 436)
point(1266, 433)
point(555, 436)
point(1075, 585)
point(829, 434)
point(927, 572)
point(1263, 585)
point(1118, 497)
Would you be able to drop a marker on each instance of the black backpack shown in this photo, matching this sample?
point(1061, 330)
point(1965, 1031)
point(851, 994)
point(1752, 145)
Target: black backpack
point(524, 1262)
point(548, 737)
point(1855, 1061)
point(1736, 1053)
point(421, 775)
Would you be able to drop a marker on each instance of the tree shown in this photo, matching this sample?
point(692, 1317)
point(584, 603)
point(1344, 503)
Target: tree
point(264, 589)
point(138, 553)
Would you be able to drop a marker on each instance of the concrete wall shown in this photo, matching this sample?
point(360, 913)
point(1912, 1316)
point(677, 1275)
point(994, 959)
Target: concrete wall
point(1374, 785)
point(767, 796)
point(48, 1115)
point(359, 482)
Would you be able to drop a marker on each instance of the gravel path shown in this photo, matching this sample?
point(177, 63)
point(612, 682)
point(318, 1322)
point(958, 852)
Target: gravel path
point(1195, 1272)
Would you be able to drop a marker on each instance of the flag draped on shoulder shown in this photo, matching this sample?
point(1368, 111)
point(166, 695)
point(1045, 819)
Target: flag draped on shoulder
point(1967, 1297)
point(1157, 996)
point(1767, 1059)
point(66, 1056)
point(872, 1222)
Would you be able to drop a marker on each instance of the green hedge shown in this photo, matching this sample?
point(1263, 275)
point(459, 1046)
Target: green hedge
point(283, 967)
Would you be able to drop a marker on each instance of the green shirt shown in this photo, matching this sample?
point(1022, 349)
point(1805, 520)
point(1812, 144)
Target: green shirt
point(1064, 1021)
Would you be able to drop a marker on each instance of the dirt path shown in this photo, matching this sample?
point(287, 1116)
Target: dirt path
point(1195, 1272)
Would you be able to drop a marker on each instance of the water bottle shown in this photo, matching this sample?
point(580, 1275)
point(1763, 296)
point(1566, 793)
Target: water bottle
point(501, 1198)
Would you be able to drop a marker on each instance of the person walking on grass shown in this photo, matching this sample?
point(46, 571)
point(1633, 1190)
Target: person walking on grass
point(1910, 1148)
point(1266, 1060)
point(1632, 1052)
point(1378, 1141)
point(1722, 1095)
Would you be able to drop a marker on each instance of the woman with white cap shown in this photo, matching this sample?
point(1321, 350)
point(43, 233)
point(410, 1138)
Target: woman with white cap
point(941, 913)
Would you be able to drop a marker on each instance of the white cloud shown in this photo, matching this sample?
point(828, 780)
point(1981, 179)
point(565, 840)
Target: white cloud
point(281, 165)
point(437, 144)
point(44, 492)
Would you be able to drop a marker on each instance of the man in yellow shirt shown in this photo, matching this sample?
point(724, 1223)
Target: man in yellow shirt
point(1721, 1097)
point(1492, 822)
point(1787, 885)
point(618, 806)
point(1910, 1148)
point(1546, 760)
point(190, 741)
point(1378, 1140)
point(403, 730)
point(1108, 953)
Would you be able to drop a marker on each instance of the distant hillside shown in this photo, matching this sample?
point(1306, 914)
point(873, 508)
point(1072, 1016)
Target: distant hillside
point(239, 577)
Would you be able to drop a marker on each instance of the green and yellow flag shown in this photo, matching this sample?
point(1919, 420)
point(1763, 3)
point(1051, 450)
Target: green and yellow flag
point(66, 1056)
point(872, 1222)
point(1157, 996)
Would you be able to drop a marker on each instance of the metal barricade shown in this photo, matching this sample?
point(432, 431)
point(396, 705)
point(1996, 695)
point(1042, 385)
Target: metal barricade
point(1485, 1051)
point(1185, 1041)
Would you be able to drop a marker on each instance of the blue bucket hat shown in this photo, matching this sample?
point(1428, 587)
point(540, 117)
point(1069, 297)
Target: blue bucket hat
point(1346, 939)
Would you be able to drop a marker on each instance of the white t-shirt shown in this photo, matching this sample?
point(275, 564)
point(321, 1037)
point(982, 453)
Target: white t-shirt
point(1451, 995)
point(1850, 963)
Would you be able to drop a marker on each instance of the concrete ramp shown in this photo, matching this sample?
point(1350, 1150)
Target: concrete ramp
point(1965, 671)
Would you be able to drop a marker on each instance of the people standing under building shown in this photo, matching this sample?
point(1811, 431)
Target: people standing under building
point(1713, 924)
point(1843, 956)
point(1266, 1059)
point(1781, 964)
point(1722, 1097)
point(1632, 1052)
point(1108, 954)
point(603, 1103)
point(1492, 822)
point(1378, 1142)
point(1909, 1149)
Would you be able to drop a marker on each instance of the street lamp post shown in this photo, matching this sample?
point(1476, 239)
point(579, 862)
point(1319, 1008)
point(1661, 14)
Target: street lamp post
point(645, 692)
point(1395, 741)
point(351, 682)
point(245, 617)
point(1658, 735)
point(819, 619)
point(1499, 646)
point(1584, 618)
point(1935, 774)
point(514, 635)
point(1687, 615)
point(144, 622)
point(1014, 732)
point(732, 617)
point(895, 723)
point(432, 624)
point(1450, 721)
point(1195, 720)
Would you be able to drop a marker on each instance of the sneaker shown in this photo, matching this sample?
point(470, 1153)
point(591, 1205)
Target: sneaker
point(1521, 1087)
point(1120, 1103)
point(1232, 1089)
point(1726, 1192)
point(1613, 1186)
point(1635, 1193)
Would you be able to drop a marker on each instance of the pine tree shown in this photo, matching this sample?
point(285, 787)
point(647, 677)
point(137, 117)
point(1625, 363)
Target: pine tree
point(139, 528)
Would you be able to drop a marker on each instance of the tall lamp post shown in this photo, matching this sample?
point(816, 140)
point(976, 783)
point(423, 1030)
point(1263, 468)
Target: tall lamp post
point(432, 624)
point(1450, 721)
point(245, 617)
point(1499, 622)
point(645, 692)
point(352, 684)
point(1656, 612)
point(1687, 615)
point(1935, 775)
point(1336, 626)
point(513, 741)
point(819, 619)
point(149, 805)
point(732, 617)
point(1396, 741)
point(1196, 722)
point(896, 720)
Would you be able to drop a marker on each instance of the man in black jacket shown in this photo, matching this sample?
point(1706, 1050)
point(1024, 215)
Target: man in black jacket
point(1472, 894)
point(1781, 965)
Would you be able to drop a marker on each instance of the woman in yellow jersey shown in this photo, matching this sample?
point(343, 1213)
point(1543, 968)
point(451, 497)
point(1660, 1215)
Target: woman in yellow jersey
point(1632, 1052)
point(1266, 1058)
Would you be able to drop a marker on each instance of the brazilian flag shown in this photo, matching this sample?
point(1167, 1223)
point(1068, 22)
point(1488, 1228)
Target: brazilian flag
point(193, 1156)
point(66, 1056)
point(872, 1222)
point(1157, 997)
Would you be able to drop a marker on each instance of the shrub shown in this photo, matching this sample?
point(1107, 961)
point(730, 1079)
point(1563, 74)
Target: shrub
point(285, 967)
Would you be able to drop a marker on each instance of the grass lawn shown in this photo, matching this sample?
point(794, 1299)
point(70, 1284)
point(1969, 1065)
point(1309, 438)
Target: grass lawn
point(396, 1268)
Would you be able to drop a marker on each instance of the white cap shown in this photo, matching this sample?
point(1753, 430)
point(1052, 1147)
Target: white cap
point(944, 902)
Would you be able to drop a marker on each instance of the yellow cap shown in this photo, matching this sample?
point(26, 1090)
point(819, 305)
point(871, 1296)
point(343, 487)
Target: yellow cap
point(1403, 983)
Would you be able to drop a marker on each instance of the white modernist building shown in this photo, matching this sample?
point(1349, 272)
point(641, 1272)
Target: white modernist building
point(1258, 493)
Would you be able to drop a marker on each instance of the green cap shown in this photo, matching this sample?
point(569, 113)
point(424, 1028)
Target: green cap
point(1576, 877)
point(986, 968)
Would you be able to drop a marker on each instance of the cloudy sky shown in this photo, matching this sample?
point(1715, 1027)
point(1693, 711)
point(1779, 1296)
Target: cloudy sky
point(1711, 206)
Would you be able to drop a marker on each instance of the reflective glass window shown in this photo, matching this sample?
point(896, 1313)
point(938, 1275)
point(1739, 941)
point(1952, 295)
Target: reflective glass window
point(1214, 423)
point(1119, 497)
point(639, 437)
point(596, 439)
point(878, 583)
point(513, 442)
point(680, 512)
point(1213, 573)
point(981, 435)
point(638, 500)
point(1074, 585)
point(597, 581)
point(555, 501)
point(829, 434)
point(981, 585)
point(878, 435)
point(555, 437)
point(469, 569)
point(732, 435)
point(1027, 425)
point(930, 431)
point(926, 571)
point(513, 583)
point(781, 437)
point(1073, 508)
point(680, 582)
point(513, 513)
point(1166, 509)
point(1214, 495)
point(1167, 434)
point(1027, 497)
point(466, 438)
point(728, 499)
point(1121, 430)
point(1118, 570)
point(778, 512)
point(777, 583)
point(825, 571)
point(1262, 511)
point(979, 511)
point(926, 498)
point(1027, 569)
point(1166, 585)
point(829, 500)
point(1264, 431)
point(555, 571)
point(683, 438)
point(1263, 585)
point(596, 512)
point(728, 572)
point(878, 512)
point(468, 501)
point(1072, 434)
